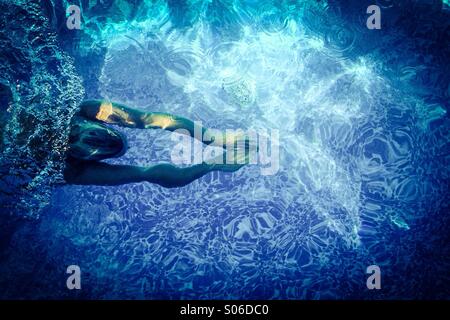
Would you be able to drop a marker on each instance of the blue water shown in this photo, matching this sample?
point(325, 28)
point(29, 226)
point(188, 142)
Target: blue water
point(364, 150)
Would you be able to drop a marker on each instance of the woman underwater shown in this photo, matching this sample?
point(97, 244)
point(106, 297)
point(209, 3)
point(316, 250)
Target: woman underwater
point(91, 141)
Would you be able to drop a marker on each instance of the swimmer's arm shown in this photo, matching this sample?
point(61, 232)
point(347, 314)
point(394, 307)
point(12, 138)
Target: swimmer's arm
point(119, 114)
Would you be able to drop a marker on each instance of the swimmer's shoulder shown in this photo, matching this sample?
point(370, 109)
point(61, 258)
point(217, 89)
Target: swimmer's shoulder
point(89, 108)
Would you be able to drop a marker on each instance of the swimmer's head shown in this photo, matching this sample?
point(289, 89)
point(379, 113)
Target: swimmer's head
point(90, 141)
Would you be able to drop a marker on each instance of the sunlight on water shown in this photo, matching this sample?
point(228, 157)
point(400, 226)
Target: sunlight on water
point(278, 80)
point(329, 110)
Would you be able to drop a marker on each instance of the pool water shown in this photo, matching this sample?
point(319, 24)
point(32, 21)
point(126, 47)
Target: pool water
point(362, 117)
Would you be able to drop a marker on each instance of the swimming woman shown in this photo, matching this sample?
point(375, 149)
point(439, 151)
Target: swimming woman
point(91, 141)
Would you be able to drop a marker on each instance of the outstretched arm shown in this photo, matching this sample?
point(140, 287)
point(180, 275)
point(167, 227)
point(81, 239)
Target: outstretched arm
point(166, 175)
point(119, 114)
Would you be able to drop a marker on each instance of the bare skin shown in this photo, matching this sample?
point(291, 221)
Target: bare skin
point(91, 141)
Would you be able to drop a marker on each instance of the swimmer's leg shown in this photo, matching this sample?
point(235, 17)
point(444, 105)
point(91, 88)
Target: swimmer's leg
point(166, 175)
